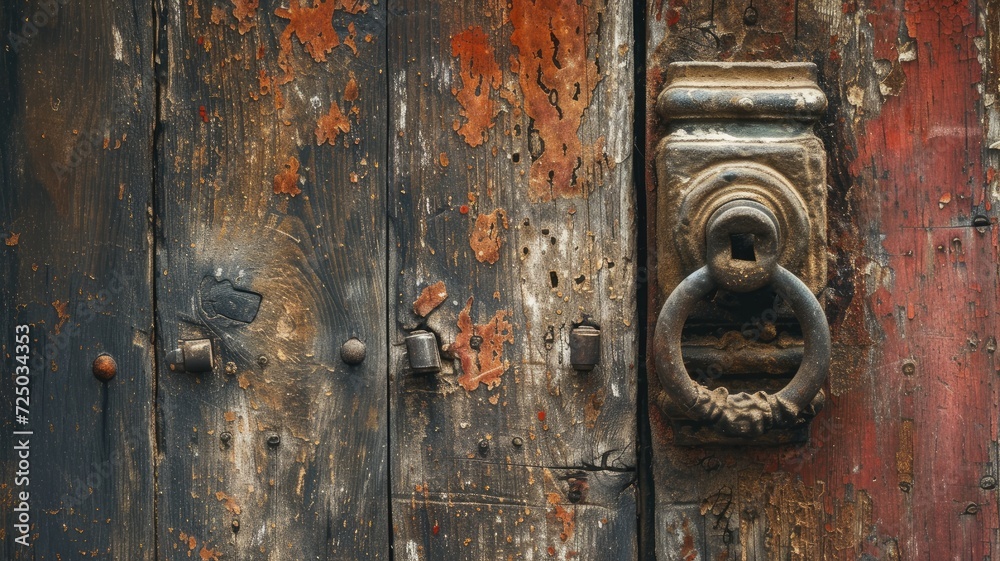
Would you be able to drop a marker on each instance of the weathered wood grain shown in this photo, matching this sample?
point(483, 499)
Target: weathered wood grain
point(894, 466)
point(272, 175)
point(76, 119)
point(511, 146)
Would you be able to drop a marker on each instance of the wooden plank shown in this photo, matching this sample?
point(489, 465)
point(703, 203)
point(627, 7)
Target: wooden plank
point(895, 463)
point(77, 99)
point(511, 187)
point(271, 243)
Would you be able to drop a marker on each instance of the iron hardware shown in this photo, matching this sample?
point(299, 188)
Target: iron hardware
point(192, 356)
point(422, 351)
point(742, 195)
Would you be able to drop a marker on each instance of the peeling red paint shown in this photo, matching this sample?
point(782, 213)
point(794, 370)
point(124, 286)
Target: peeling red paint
point(557, 80)
point(481, 76)
point(329, 126)
point(203, 113)
point(314, 28)
point(287, 180)
point(430, 298)
point(485, 240)
point(485, 365)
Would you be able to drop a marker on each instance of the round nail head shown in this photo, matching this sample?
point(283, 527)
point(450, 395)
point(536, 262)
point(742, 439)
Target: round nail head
point(105, 367)
point(353, 351)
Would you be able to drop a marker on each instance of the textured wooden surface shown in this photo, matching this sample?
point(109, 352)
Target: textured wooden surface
point(895, 464)
point(272, 161)
point(75, 188)
point(511, 185)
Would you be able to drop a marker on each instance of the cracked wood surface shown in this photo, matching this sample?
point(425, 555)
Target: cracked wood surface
point(272, 162)
point(894, 466)
point(511, 194)
point(75, 189)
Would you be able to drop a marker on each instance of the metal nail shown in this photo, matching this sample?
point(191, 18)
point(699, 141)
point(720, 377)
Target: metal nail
point(353, 351)
point(104, 367)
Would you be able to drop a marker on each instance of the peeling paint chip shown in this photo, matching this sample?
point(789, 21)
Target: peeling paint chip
point(558, 81)
point(287, 181)
point(244, 11)
point(329, 126)
point(430, 298)
point(486, 364)
point(12, 240)
point(480, 75)
point(314, 28)
point(485, 239)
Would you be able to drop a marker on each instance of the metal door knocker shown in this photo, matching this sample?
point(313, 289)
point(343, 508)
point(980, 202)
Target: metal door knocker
point(741, 210)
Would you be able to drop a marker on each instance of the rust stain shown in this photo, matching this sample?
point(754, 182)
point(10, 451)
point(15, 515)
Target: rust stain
point(485, 240)
point(218, 15)
point(187, 540)
point(208, 554)
point(485, 365)
point(314, 28)
point(60, 308)
point(443, 159)
point(12, 240)
point(228, 501)
point(560, 514)
point(287, 180)
point(557, 80)
point(688, 550)
point(904, 454)
point(351, 89)
point(329, 126)
point(244, 11)
point(229, 416)
point(593, 408)
point(430, 297)
point(480, 75)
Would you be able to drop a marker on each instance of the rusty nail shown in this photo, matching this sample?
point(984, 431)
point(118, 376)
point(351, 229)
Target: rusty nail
point(273, 440)
point(988, 482)
point(484, 447)
point(226, 437)
point(262, 361)
point(577, 489)
point(104, 367)
point(422, 351)
point(517, 441)
point(475, 342)
point(192, 356)
point(236, 525)
point(353, 351)
point(909, 367)
point(584, 347)
point(972, 508)
point(231, 368)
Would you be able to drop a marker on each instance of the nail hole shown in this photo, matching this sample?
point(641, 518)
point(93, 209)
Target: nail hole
point(515, 157)
point(553, 279)
point(580, 279)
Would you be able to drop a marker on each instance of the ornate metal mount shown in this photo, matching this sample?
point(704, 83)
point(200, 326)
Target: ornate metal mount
point(741, 208)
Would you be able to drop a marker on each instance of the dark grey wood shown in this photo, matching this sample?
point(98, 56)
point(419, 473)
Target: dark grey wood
point(264, 191)
point(508, 452)
point(76, 118)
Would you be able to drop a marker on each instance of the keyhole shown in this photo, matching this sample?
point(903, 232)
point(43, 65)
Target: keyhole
point(741, 247)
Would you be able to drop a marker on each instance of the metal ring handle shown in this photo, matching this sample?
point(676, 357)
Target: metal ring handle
point(743, 414)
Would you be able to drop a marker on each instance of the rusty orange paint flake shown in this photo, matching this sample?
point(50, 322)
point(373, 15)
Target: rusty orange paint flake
point(287, 180)
point(486, 364)
point(244, 11)
point(481, 76)
point(485, 239)
point(329, 126)
point(558, 81)
point(313, 25)
point(430, 298)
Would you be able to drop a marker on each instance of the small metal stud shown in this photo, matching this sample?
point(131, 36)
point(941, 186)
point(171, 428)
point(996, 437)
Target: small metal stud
point(273, 440)
point(104, 368)
point(988, 482)
point(422, 351)
point(226, 437)
point(353, 351)
point(585, 347)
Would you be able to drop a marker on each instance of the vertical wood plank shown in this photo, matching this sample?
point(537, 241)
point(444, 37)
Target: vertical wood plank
point(76, 118)
point(895, 465)
point(271, 243)
point(511, 194)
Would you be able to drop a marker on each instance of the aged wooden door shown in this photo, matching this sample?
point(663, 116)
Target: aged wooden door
point(379, 279)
